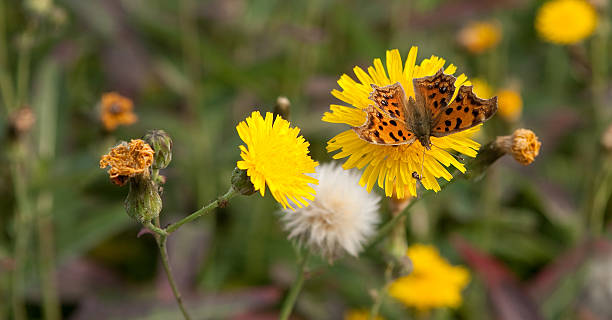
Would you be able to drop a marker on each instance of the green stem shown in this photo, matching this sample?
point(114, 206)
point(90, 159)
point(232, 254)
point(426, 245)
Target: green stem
point(23, 219)
point(382, 293)
point(6, 88)
point(204, 210)
point(163, 250)
point(46, 257)
point(296, 287)
point(159, 231)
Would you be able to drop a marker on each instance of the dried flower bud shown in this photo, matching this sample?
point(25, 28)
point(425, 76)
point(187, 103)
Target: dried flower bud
point(21, 122)
point(116, 110)
point(523, 145)
point(161, 143)
point(128, 161)
point(143, 201)
point(242, 183)
point(282, 108)
point(606, 139)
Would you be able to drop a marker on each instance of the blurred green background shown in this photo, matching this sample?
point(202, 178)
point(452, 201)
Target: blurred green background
point(197, 68)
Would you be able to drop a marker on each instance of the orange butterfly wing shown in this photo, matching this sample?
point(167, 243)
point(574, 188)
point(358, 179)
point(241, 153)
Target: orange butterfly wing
point(434, 91)
point(464, 112)
point(390, 99)
point(381, 128)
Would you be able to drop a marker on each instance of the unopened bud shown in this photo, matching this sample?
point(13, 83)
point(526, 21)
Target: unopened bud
point(282, 108)
point(241, 182)
point(161, 143)
point(143, 202)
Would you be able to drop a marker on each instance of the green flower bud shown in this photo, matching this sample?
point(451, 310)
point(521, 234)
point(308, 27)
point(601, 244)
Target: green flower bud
point(241, 182)
point(143, 202)
point(161, 143)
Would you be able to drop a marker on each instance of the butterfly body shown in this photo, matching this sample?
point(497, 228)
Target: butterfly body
point(396, 119)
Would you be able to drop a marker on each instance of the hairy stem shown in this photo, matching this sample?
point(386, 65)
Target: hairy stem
point(296, 287)
point(222, 201)
point(163, 250)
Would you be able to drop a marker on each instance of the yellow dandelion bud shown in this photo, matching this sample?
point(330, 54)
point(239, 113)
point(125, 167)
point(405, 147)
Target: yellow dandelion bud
point(116, 110)
point(433, 283)
point(276, 156)
point(479, 36)
point(128, 160)
point(510, 104)
point(565, 21)
point(523, 145)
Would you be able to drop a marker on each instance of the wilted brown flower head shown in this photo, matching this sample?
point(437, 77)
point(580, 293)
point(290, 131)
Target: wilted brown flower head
point(606, 138)
point(523, 145)
point(128, 160)
point(116, 110)
point(21, 121)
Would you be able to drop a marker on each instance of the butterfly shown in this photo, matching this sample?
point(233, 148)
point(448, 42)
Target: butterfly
point(397, 120)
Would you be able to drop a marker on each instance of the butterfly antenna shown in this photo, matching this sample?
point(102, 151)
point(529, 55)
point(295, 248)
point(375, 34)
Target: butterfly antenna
point(422, 162)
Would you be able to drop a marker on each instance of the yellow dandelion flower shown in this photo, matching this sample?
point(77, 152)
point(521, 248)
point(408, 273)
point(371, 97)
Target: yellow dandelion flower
point(128, 160)
point(359, 315)
point(479, 36)
point(116, 110)
point(510, 104)
point(482, 88)
point(391, 167)
point(565, 21)
point(433, 283)
point(275, 155)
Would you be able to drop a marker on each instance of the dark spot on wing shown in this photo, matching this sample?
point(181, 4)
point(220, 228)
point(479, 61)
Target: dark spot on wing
point(443, 89)
point(458, 123)
point(447, 123)
point(400, 133)
point(458, 108)
point(393, 137)
point(384, 102)
point(435, 104)
point(459, 98)
point(377, 134)
point(446, 129)
point(380, 127)
point(379, 115)
point(438, 128)
point(474, 113)
point(448, 111)
point(466, 110)
point(385, 123)
point(431, 96)
point(393, 123)
point(443, 101)
point(394, 103)
point(397, 112)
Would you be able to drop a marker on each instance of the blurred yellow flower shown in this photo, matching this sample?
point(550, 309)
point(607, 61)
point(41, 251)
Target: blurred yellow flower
point(391, 167)
point(479, 36)
point(433, 283)
point(359, 315)
point(275, 155)
point(482, 88)
point(116, 110)
point(565, 21)
point(128, 160)
point(510, 104)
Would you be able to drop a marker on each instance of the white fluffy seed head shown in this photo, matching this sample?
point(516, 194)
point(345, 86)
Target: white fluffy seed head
point(341, 218)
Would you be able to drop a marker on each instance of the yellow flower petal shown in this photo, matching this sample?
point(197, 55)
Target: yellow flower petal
point(389, 167)
point(276, 156)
